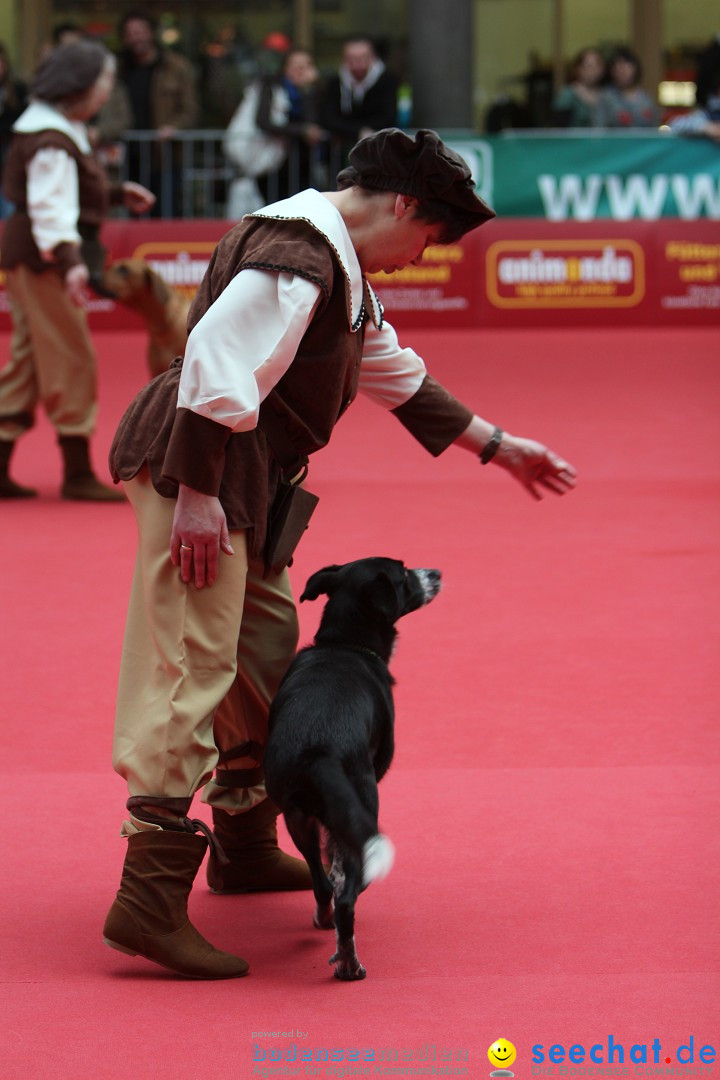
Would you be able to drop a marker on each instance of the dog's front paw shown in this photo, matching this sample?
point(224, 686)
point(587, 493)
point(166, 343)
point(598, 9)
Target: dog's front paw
point(347, 967)
point(323, 918)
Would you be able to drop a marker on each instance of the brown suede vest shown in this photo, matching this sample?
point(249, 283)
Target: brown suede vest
point(180, 446)
point(18, 245)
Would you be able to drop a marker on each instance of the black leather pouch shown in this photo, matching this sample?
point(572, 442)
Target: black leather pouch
point(289, 517)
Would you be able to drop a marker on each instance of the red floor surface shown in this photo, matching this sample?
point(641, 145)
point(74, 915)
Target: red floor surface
point(554, 798)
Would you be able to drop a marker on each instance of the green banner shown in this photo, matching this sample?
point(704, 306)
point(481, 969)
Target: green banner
point(585, 177)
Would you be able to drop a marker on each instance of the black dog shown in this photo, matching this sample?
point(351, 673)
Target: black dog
point(331, 735)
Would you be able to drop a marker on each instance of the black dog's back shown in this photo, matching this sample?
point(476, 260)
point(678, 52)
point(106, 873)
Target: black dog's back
point(331, 740)
point(331, 734)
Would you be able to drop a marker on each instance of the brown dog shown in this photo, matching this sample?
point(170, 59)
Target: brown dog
point(164, 309)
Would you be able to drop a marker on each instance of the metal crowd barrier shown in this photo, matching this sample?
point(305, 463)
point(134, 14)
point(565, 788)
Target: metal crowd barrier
point(191, 176)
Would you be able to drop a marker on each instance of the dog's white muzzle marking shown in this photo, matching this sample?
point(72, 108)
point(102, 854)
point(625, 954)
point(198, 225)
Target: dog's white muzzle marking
point(429, 583)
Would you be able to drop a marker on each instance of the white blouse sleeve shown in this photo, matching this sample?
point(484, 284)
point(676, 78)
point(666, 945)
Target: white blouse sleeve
point(389, 375)
point(53, 199)
point(244, 344)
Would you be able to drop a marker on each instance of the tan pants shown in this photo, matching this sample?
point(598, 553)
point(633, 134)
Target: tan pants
point(199, 666)
point(52, 360)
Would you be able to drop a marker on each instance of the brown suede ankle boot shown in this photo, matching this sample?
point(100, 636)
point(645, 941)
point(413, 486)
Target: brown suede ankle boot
point(149, 915)
point(8, 488)
point(249, 840)
point(79, 480)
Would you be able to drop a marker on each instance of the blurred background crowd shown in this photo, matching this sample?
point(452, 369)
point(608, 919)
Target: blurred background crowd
point(254, 101)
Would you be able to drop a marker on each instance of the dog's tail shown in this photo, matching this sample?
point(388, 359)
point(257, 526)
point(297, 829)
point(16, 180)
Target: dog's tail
point(378, 858)
point(348, 821)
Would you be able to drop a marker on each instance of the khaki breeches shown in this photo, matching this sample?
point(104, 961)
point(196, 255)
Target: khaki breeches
point(199, 666)
point(52, 360)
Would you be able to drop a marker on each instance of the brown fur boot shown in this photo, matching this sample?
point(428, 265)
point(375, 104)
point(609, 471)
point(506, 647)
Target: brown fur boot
point(257, 864)
point(8, 488)
point(80, 482)
point(149, 916)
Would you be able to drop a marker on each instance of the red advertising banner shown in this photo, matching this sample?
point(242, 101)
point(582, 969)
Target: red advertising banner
point(515, 272)
point(442, 290)
point(565, 274)
point(687, 273)
point(525, 272)
point(585, 273)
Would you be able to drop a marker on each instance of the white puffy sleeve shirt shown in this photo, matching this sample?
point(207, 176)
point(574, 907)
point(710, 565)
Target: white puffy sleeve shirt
point(246, 341)
point(53, 200)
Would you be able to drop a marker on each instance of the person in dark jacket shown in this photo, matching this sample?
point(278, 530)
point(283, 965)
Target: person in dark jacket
point(161, 88)
point(284, 331)
point(361, 98)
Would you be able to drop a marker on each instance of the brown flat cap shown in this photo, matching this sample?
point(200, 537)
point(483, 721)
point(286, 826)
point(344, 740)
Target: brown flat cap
point(69, 71)
point(423, 167)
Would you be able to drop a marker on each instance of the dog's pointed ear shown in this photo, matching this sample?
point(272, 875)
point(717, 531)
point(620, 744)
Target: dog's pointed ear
point(381, 596)
point(322, 581)
point(158, 285)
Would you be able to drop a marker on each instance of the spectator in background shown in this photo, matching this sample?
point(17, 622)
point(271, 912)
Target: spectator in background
point(65, 33)
point(624, 103)
point(296, 123)
point(705, 120)
point(272, 52)
point(708, 72)
point(574, 105)
point(163, 99)
point(13, 99)
point(505, 112)
point(272, 137)
point(362, 97)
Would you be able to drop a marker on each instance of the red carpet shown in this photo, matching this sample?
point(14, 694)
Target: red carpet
point(554, 798)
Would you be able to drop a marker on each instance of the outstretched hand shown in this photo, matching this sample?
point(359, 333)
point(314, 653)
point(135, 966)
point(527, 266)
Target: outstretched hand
point(534, 466)
point(137, 199)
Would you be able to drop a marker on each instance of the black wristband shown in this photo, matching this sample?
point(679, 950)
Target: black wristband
point(490, 448)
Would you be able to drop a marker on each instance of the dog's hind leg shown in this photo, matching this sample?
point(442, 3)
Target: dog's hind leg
point(349, 810)
point(305, 835)
point(347, 966)
point(378, 853)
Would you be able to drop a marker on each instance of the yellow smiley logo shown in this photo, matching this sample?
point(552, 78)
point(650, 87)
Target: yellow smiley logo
point(502, 1053)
